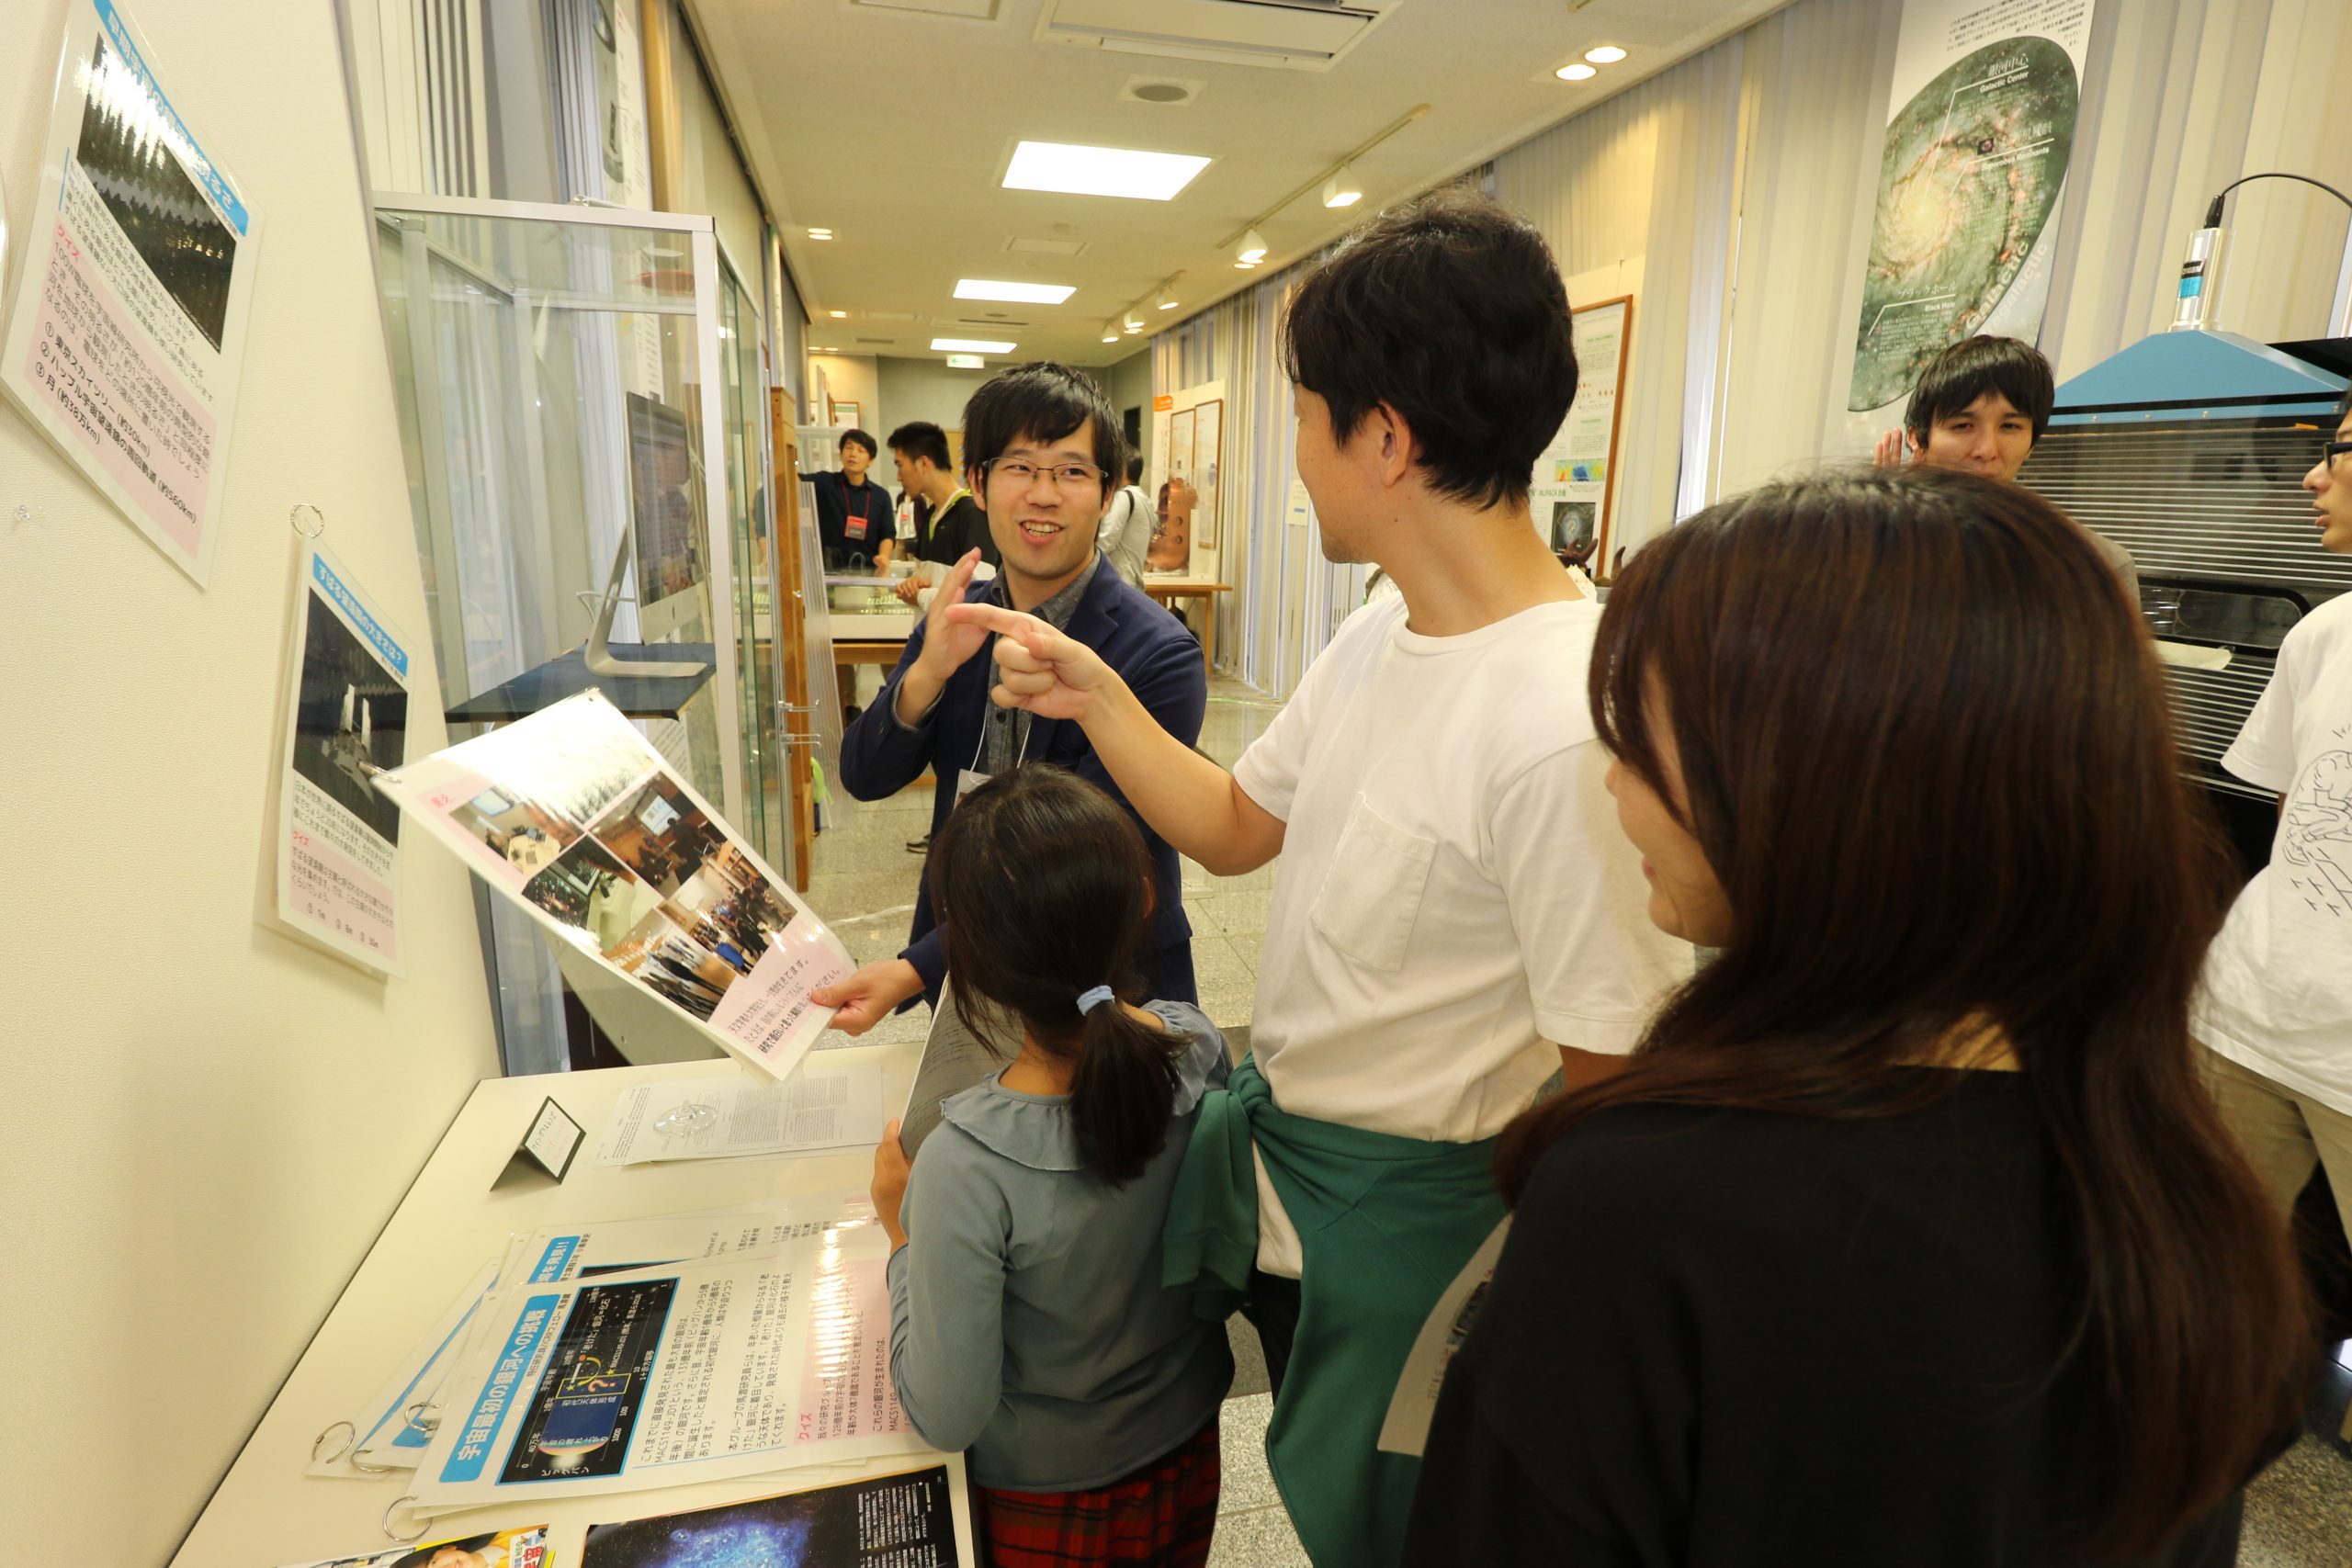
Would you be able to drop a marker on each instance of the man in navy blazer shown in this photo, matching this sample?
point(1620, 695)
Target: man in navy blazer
point(1043, 453)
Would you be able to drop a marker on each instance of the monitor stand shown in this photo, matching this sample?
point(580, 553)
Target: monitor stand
point(598, 654)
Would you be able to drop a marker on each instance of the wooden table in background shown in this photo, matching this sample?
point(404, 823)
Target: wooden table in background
point(1168, 589)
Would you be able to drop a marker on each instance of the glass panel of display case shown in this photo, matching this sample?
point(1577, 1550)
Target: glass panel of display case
point(550, 368)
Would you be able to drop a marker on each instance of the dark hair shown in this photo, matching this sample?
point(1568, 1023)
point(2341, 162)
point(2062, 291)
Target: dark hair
point(1926, 748)
point(1451, 311)
point(1042, 400)
point(1045, 889)
point(1967, 370)
point(863, 440)
point(923, 439)
point(1134, 467)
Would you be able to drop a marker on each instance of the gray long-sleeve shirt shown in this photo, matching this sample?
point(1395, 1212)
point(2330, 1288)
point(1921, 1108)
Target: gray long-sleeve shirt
point(1027, 1320)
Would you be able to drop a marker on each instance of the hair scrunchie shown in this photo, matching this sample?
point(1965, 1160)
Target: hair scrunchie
point(1089, 1000)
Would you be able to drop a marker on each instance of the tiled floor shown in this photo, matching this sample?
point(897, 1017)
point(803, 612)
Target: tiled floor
point(2299, 1514)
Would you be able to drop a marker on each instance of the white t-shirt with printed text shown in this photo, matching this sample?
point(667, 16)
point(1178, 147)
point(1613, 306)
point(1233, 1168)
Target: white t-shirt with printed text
point(1454, 896)
point(2277, 984)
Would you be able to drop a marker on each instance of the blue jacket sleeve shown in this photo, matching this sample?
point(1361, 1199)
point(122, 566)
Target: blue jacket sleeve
point(881, 756)
point(928, 953)
point(947, 1293)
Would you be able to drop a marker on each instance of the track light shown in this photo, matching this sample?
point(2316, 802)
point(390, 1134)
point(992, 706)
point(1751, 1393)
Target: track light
point(1110, 331)
point(1342, 190)
point(1167, 298)
point(1253, 249)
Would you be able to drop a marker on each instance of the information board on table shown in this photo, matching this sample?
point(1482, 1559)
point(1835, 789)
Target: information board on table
point(573, 815)
point(821, 1108)
point(1980, 131)
point(336, 841)
point(740, 1365)
point(906, 1519)
point(125, 338)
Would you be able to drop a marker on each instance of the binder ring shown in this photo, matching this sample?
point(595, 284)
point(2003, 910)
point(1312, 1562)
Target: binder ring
point(349, 1433)
point(318, 520)
point(421, 1524)
point(423, 1415)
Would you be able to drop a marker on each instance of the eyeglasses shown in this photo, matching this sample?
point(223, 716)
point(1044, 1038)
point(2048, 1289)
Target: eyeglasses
point(2331, 452)
point(1017, 472)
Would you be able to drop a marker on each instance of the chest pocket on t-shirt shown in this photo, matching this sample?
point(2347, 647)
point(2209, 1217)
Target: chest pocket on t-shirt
point(1373, 892)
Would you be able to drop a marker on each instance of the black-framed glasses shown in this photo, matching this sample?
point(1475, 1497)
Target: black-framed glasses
point(1021, 471)
point(2332, 451)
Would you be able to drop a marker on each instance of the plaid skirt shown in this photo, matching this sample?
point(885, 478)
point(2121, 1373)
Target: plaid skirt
point(1161, 1517)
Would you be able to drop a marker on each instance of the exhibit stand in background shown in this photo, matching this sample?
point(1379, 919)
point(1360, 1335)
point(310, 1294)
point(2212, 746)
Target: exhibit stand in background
point(206, 1120)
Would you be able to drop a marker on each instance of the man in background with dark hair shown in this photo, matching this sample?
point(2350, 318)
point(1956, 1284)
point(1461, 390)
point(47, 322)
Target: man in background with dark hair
point(1042, 445)
point(1455, 918)
point(854, 520)
point(1981, 405)
point(948, 520)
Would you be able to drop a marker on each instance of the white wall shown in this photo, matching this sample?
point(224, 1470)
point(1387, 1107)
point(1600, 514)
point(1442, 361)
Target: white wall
point(850, 378)
point(204, 1124)
point(924, 388)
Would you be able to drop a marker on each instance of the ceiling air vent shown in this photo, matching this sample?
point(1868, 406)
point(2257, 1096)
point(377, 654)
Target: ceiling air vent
point(974, 10)
point(1022, 246)
point(1292, 35)
point(885, 340)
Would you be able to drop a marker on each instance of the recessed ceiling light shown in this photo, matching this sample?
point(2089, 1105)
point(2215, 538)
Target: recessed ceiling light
point(1101, 171)
point(838, 315)
point(1605, 54)
point(1019, 293)
point(821, 349)
point(969, 346)
point(1342, 190)
point(1579, 72)
point(820, 234)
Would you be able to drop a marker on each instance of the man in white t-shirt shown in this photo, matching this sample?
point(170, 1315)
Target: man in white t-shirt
point(2276, 1004)
point(1455, 918)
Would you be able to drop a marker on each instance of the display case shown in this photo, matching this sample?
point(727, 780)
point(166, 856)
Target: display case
point(584, 414)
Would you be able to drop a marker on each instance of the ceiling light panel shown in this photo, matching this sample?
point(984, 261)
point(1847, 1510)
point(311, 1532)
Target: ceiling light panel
point(969, 345)
point(1072, 170)
point(1017, 293)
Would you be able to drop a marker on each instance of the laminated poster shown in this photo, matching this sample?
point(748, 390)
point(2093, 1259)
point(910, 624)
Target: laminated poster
point(524, 1547)
point(573, 815)
point(126, 337)
point(346, 718)
point(737, 1365)
point(907, 1521)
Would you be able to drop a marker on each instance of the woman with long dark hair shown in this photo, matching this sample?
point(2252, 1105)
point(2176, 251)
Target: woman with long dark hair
point(1909, 1235)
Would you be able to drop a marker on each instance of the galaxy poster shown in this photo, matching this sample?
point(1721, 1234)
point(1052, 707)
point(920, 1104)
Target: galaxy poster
point(884, 1521)
point(585, 1411)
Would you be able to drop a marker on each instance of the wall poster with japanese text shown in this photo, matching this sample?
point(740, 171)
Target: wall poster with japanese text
point(337, 840)
point(125, 339)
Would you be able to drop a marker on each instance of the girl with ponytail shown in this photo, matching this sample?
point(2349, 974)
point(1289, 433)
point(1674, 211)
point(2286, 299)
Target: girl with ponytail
point(1027, 1320)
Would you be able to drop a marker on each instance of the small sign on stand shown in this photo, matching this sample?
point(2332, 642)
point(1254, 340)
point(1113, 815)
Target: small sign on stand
point(550, 1144)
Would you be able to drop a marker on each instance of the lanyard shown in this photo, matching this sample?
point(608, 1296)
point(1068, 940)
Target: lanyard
point(865, 503)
